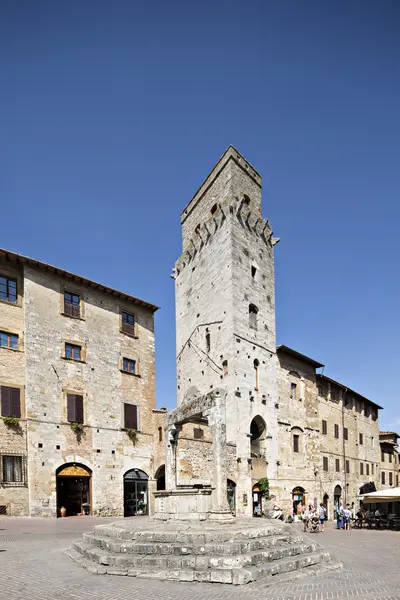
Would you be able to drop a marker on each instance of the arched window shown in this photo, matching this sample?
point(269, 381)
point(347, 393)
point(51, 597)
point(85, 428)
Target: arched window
point(160, 434)
point(214, 209)
point(246, 200)
point(253, 311)
point(258, 433)
point(297, 437)
point(225, 367)
point(256, 374)
point(208, 342)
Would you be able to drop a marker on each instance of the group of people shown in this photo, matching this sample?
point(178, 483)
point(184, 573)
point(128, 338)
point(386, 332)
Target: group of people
point(344, 517)
point(314, 515)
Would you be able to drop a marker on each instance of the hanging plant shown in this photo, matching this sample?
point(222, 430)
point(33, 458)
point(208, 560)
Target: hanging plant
point(12, 422)
point(132, 435)
point(263, 484)
point(78, 429)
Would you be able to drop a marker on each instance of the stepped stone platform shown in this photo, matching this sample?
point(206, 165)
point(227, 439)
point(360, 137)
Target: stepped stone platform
point(236, 553)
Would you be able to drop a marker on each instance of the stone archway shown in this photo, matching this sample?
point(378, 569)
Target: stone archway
point(160, 478)
point(258, 434)
point(136, 493)
point(337, 496)
point(74, 489)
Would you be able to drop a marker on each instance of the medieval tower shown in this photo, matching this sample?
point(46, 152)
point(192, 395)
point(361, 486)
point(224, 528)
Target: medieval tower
point(225, 314)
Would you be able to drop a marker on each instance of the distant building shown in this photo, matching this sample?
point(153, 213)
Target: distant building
point(389, 459)
point(77, 394)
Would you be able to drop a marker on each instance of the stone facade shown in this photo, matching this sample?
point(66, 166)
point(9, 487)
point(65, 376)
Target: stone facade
point(389, 459)
point(312, 437)
point(41, 368)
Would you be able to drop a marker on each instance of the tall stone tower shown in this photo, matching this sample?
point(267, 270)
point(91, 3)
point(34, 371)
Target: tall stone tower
point(225, 314)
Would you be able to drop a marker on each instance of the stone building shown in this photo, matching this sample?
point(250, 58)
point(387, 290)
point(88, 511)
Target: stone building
point(79, 422)
point(389, 459)
point(312, 437)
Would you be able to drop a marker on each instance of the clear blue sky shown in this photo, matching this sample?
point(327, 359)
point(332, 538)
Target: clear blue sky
point(113, 112)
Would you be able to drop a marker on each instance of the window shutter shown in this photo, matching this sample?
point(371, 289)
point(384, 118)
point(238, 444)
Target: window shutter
point(71, 412)
point(75, 310)
point(15, 402)
point(67, 308)
point(5, 401)
point(79, 409)
point(131, 416)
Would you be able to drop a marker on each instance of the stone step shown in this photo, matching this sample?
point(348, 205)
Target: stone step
point(281, 567)
point(229, 548)
point(189, 561)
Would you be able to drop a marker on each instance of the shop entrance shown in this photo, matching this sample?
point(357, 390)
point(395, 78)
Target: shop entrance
point(257, 501)
point(136, 483)
point(299, 500)
point(73, 484)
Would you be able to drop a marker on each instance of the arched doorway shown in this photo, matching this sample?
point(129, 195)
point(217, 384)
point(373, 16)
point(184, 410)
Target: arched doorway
point(325, 502)
point(136, 483)
point(231, 494)
point(258, 432)
point(74, 487)
point(160, 477)
point(337, 496)
point(257, 501)
point(298, 499)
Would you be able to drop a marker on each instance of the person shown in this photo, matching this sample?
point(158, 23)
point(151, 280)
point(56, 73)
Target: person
point(339, 517)
point(277, 512)
point(305, 516)
point(378, 513)
point(347, 516)
point(322, 516)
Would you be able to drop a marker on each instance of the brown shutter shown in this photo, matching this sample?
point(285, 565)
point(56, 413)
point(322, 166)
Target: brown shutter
point(130, 416)
point(79, 409)
point(67, 308)
point(5, 401)
point(75, 310)
point(128, 328)
point(15, 402)
point(71, 412)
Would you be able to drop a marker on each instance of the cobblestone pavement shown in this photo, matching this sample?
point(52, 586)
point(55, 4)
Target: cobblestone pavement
point(33, 566)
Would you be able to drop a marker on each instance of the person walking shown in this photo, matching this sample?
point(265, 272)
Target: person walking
point(339, 517)
point(322, 516)
point(347, 516)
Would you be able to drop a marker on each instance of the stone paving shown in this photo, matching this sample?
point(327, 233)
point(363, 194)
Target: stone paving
point(35, 567)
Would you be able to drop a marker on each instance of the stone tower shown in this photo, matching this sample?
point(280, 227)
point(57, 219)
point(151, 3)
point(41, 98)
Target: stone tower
point(225, 314)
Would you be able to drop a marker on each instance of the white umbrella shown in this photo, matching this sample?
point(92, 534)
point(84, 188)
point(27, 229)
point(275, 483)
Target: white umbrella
point(389, 495)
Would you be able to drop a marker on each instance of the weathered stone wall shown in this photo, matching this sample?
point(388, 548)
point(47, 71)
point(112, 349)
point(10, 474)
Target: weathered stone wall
point(104, 447)
point(389, 460)
point(12, 373)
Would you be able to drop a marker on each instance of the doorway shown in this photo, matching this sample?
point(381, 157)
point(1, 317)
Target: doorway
point(231, 494)
point(325, 502)
point(160, 477)
point(257, 501)
point(136, 484)
point(337, 497)
point(299, 500)
point(73, 485)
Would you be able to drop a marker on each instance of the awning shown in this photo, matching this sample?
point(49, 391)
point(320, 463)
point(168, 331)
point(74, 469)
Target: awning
point(389, 495)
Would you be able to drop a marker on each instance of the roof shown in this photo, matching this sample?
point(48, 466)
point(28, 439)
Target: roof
point(19, 259)
point(392, 433)
point(345, 387)
point(299, 356)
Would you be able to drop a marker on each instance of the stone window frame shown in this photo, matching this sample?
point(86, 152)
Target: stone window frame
point(71, 288)
point(123, 309)
point(64, 404)
point(22, 399)
point(11, 273)
point(82, 346)
point(24, 460)
point(137, 366)
point(20, 336)
point(297, 431)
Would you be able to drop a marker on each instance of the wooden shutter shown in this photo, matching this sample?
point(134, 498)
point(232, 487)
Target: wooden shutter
point(324, 427)
point(5, 401)
point(131, 416)
point(15, 402)
point(67, 307)
point(74, 408)
point(76, 312)
point(79, 409)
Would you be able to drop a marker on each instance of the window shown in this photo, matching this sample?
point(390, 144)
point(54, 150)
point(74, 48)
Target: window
point(256, 374)
point(225, 367)
point(325, 463)
point(13, 470)
point(367, 410)
point(333, 396)
point(198, 433)
point(160, 434)
point(347, 466)
point(397, 481)
point(383, 477)
point(8, 340)
point(214, 209)
point(8, 289)
point(208, 342)
point(10, 402)
point(372, 468)
point(253, 271)
point(73, 352)
point(367, 469)
point(390, 458)
point(324, 427)
point(128, 323)
point(382, 456)
point(293, 387)
point(372, 442)
point(361, 439)
point(74, 408)
point(345, 433)
point(361, 468)
point(337, 465)
point(131, 416)
point(72, 305)
point(336, 431)
point(320, 391)
point(374, 414)
point(296, 443)
point(253, 310)
point(129, 366)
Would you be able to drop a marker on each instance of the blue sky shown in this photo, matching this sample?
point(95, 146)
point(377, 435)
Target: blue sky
point(112, 114)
